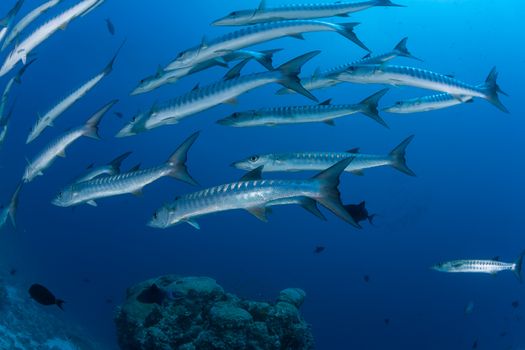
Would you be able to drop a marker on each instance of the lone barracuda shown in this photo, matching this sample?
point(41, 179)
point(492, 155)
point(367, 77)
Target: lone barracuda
point(428, 103)
point(112, 168)
point(328, 78)
point(27, 20)
point(216, 48)
point(5, 23)
point(256, 196)
point(10, 210)
point(324, 113)
point(300, 11)
point(49, 118)
point(315, 161)
point(131, 182)
point(228, 90)
point(481, 266)
point(163, 77)
point(415, 77)
point(57, 148)
point(25, 47)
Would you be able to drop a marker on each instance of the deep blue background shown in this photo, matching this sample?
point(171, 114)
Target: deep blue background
point(465, 203)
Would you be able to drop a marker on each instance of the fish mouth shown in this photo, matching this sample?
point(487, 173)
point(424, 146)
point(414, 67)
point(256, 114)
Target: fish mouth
point(221, 22)
point(224, 122)
point(58, 203)
point(137, 91)
point(125, 132)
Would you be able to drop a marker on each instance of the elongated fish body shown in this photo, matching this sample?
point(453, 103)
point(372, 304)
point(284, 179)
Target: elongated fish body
point(216, 48)
point(255, 195)
point(22, 50)
point(58, 147)
point(5, 23)
point(9, 211)
point(298, 11)
point(131, 182)
point(316, 161)
point(415, 77)
point(112, 168)
point(428, 103)
point(27, 20)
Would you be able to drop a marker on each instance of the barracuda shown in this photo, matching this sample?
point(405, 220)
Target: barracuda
point(163, 77)
point(481, 266)
point(415, 77)
point(131, 182)
point(315, 161)
point(57, 148)
point(22, 50)
point(298, 11)
point(49, 118)
point(5, 23)
point(10, 210)
point(324, 113)
point(27, 20)
point(112, 168)
point(428, 103)
point(328, 78)
point(256, 196)
point(215, 49)
point(226, 91)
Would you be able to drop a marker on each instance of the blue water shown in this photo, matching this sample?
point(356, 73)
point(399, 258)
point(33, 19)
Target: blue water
point(466, 201)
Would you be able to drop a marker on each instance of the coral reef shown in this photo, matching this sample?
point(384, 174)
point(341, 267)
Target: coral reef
point(197, 314)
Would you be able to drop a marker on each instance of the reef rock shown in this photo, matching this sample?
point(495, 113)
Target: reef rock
point(196, 313)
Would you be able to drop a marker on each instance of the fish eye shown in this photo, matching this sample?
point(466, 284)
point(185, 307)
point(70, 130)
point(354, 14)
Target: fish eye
point(398, 103)
point(155, 215)
point(253, 159)
point(234, 13)
point(235, 115)
point(142, 81)
point(133, 119)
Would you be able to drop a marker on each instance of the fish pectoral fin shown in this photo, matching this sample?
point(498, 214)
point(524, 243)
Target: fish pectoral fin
point(64, 26)
point(297, 36)
point(358, 172)
point(259, 212)
point(62, 153)
point(231, 101)
point(311, 205)
point(92, 203)
point(193, 223)
point(255, 174)
point(343, 15)
point(40, 173)
point(138, 193)
point(329, 122)
point(460, 98)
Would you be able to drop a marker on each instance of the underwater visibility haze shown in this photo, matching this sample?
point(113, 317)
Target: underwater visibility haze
point(244, 174)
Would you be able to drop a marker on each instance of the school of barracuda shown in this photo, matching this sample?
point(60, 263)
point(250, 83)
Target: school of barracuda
point(251, 193)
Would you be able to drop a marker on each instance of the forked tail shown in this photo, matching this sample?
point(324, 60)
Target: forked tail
point(517, 266)
point(398, 157)
point(347, 30)
point(401, 49)
point(491, 90)
point(290, 74)
point(369, 106)
point(177, 161)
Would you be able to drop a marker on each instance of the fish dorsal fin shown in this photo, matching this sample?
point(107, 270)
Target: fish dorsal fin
point(353, 150)
point(260, 213)
point(135, 168)
point(196, 87)
point(235, 72)
point(159, 72)
point(362, 205)
point(262, 6)
point(368, 55)
point(317, 73)
point(326, 102)
point(255, 174)
point(204, 42)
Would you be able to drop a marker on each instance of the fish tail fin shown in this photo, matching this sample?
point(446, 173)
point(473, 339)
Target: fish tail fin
point(109, 67)
point(91, 127)
point(266, 58)
point(387, 3)
point(347, 30)
point(398, 157)
point(13, 206)
point(290, 74)
point(491, 90)
point(369, 106)
point(402, 50)
point(177, 161)
point(330, 197)
point(517, 266)
point(117, 162)
point(60, 304)
point(18, 77)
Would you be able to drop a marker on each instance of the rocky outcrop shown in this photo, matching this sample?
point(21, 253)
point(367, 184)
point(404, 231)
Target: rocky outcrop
point(197, 314)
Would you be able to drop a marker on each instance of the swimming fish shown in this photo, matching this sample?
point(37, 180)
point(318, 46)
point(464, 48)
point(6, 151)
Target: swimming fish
point(257, 34)
point(111, 168)
point(43, 296)
point(131, 182)
point(359, 212)
point(481, 266)
point(256, 195)
point(49, 118)
point(57, 148)
point(10, 210)
point(4, 125)
point(324, 112)
point(110, 26)
point(315, 161)
point(415, 77)
point(319, 249)
point(27, 20)
point(5, 23)
point(225, 91)
point(328, 78)
point(21, 51)
point(297, 11)
point(428, 103)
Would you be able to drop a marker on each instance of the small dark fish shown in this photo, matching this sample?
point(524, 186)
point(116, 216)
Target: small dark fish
point(319, 249)
point(111, 27)
point(152, 295)
point(13, 272)
point(475, 345)
point(43, 296)
point(359, 212)
point(366, 278)
point(119, 115)
point(515, 304)
point(387, 321)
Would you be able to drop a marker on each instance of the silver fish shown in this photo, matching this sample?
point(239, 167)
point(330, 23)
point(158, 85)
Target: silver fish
point(49, 118)
point(57, 148)
point(256, 195)
point(4, 125)
point(10, 210)
point(226, 91)
point(216, 48)
point(315, 161)
point(322, 113)
point(5, 23)
point(481, 266)
point(112, 168)
point(297, 11)
point(131, 182)
point(163, 77)
point(26, 46)
point(415, 77)
point(428, 103)
point(328, 78)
